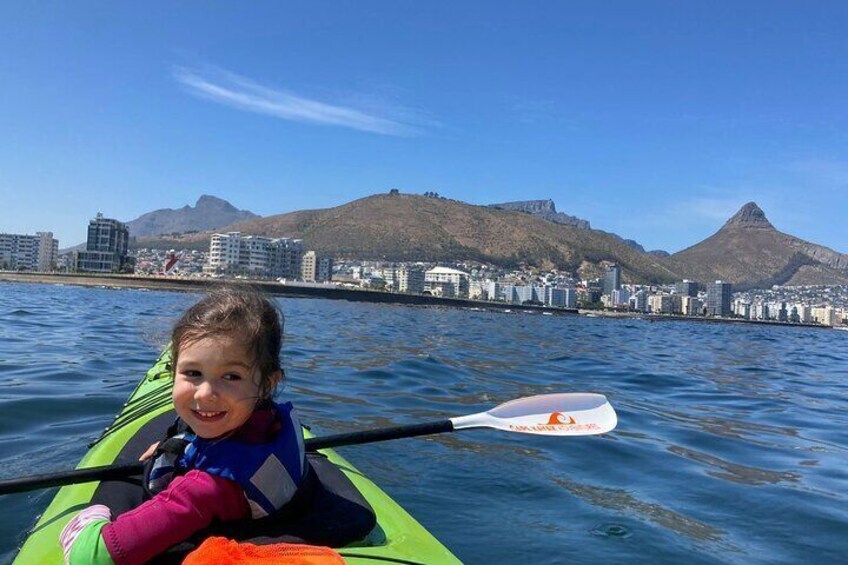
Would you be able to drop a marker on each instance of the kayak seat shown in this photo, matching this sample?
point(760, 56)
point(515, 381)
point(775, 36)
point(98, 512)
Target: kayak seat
point(327, 510)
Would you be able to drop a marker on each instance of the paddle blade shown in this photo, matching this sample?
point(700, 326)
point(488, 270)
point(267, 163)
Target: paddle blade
point(564, 414)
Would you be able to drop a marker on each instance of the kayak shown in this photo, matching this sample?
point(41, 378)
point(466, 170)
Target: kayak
point(346, 510)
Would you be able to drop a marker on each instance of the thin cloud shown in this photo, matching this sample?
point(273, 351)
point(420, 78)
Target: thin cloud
point(233, 90)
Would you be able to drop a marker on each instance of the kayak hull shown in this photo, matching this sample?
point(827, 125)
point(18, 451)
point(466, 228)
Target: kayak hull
point(397, 537)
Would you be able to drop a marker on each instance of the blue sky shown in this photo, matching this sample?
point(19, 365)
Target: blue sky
point(653, 120)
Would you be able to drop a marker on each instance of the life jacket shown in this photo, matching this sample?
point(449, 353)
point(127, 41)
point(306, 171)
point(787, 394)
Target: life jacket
point(268, 473)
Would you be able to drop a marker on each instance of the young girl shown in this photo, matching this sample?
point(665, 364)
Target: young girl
point(240, 456)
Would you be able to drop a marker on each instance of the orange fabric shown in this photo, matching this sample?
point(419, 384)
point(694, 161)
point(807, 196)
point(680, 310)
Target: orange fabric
point(218, 551)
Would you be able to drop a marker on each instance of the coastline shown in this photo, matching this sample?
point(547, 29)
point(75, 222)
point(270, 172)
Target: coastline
point(271, 287)
point(274, 288)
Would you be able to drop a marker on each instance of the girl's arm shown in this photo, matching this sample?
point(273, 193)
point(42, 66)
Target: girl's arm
point(189, 504)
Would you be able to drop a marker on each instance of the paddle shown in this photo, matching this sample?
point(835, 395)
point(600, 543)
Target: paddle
point(563, 414)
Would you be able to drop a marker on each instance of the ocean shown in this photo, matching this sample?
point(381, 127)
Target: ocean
point(731, 445)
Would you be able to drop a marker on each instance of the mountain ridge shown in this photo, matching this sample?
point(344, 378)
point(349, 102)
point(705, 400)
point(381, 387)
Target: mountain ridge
point(209, 213)
point(746, 250)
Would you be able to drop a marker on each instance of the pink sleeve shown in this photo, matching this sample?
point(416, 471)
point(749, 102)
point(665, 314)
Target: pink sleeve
point(189, 504)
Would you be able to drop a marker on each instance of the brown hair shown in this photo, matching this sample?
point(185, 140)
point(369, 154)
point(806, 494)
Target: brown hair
point(243, 313)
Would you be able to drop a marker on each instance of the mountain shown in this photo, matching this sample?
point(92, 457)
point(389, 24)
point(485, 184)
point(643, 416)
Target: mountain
point(747, 251)
point(208, 214)
point(397, 227)
point(751, 253)
point(545, 209)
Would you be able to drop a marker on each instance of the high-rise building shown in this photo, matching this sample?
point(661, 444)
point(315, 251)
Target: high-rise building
point(37, 252)
point(719, 296)
point(106, 249)
point(612, 279)
point(686, 288)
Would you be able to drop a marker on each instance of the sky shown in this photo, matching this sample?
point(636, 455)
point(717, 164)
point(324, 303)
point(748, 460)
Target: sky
point(653, 120)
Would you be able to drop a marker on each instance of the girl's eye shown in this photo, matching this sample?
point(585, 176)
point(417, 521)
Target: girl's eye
point(190, 374)
point(232, 377)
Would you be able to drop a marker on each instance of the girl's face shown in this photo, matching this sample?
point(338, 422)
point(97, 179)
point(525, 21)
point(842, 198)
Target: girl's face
point(215, 386)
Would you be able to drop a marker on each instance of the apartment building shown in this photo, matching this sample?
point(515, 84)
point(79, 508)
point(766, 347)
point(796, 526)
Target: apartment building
point(263, 257)
point(37, 252)
point(447, 282)
point(316, 268)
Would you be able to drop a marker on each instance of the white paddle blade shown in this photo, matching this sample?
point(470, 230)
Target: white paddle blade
point(563, 414)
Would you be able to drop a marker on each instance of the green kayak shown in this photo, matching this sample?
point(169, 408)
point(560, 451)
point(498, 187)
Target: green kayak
point(391, 535)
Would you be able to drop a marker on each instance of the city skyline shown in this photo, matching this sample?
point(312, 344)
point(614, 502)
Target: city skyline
point(655, 122)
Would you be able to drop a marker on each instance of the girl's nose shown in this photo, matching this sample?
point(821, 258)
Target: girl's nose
point(205, 390)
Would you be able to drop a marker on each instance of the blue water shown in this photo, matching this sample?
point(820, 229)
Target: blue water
point(731, 445)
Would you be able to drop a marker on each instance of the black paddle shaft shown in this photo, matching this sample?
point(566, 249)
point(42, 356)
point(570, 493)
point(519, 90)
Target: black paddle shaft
point(117, 472)
point(380, 434)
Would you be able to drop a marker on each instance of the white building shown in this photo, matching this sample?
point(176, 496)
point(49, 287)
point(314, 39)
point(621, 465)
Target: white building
point(315, 268)
point(235, 254)
point(660, 303)
point(620, 297)
point(825, 315)
point(438, 276)
point(407, 279)
point(691, 305)
point(37, 252)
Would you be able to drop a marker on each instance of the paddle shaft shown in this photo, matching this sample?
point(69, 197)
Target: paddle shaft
point(117, 472)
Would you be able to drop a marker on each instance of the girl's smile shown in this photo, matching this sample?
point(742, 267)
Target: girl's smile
point(216, 386)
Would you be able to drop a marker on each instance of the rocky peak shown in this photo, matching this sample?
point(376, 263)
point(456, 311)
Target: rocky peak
point(750, 216)
point(545, 209)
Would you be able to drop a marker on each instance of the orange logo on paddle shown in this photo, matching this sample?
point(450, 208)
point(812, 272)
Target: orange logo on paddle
point(557, 424)
point(558, 418)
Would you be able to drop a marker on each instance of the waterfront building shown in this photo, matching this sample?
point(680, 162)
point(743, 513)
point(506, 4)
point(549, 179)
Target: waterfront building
point(444, 289)
point(315, 268)
point(686, 288)
point(782, 314)
point(719, 295)
point(234, 254)
point(106, 248)
point(690, 305)
point(559, 297)
point(458, 279)
point(496, 291)
point(761, 311)
point(639, 301)
point(475, 290)
point(37, 252)
point(308, 266)
point(825, 316)
point(612, 279)
point(407, 279)
point(523, 294)
point(660, 304)
point(620, 297)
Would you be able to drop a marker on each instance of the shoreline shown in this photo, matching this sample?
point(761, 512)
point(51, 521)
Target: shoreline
point(274, 288)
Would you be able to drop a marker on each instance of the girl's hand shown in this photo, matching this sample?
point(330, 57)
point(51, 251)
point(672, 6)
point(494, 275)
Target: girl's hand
point(149, 453)
point(71, 532)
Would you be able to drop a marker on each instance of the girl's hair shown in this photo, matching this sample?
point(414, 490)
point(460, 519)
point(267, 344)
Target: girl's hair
point(242, 313)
